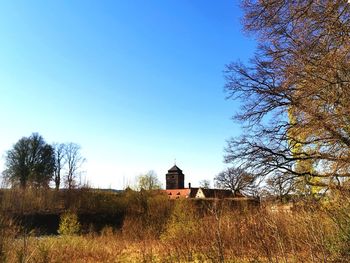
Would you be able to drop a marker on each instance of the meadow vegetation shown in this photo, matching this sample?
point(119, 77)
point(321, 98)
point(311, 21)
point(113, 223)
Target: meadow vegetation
point(155, 229)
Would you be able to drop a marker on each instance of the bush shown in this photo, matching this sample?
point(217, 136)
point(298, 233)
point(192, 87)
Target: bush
point(69, 224)
point(337, 209)
point(147, 215)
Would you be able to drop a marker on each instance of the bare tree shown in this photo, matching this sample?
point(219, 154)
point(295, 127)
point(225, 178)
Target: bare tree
point(74, 161)
point(295, 91)
point(237, 180)
point(59, 163)
point(148, 181)
point(281, 186)
point(204, 183)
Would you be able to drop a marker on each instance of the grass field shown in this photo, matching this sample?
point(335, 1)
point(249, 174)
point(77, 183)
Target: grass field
point(157, 230)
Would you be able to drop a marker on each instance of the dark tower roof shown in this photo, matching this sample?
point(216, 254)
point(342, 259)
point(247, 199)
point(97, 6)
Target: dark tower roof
point(175, 169)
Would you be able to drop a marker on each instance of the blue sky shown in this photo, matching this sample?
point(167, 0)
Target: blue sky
point(135, 83)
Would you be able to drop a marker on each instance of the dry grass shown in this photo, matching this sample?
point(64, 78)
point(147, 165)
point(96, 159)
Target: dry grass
point(229, 237)
point(155, 231)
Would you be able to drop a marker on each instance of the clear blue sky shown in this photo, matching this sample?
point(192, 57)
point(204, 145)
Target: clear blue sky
point(135, 83)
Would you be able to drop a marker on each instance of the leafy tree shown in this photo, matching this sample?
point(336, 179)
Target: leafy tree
point(295, 92)
point(30, 162)
point(148, 181)
point(236, 179)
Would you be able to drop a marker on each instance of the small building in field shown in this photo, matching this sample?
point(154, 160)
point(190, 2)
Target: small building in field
point(212, 193)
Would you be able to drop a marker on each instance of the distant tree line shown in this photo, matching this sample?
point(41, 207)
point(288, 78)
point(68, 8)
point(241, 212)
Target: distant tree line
point(34, 163)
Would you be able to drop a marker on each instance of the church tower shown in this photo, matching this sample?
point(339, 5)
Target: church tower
point(175, 179)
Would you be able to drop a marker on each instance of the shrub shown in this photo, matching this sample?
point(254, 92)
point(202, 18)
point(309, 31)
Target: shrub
point(69, 224)
point(182, 230)
point(337, 209)
point(107, 231)
point(147, 215)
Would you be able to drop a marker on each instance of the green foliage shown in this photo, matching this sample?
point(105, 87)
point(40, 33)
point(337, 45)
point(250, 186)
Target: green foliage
point(69, 224)
point(301, 149)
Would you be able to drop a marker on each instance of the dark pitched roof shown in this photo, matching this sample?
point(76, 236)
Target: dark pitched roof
point(175, 169)
point(193, 192)
point(217, 193)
